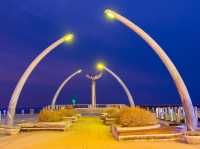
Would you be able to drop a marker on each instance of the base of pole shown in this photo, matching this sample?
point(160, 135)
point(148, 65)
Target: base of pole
point(11, 130)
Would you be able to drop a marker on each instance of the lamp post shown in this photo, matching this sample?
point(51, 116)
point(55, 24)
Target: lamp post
point(191, 121)
point(101, 67)
point(68, 38)
point(62, 86)
point(93, 78)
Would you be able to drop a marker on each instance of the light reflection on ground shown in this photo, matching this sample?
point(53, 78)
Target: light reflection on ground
point(86, 133)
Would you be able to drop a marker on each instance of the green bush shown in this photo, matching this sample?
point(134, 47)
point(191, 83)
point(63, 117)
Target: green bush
point(49, 116)
point(133, 117)
point(67, 112)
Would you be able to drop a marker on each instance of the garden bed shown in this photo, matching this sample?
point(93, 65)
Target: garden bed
point(10, 130)
point(192, 137)
point(147, 132)
point(71, 118)
point(109, 121)
point(102, 116)
point(57, 126)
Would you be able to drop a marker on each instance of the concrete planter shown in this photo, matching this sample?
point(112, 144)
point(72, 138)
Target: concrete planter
point(192, 139)
point(132, 133)
point(57, 126)
point(21, 125)
point(71, 118)
point(125, 129)
point(63, 124)
point(11, 130)
point(109, 121)
point(103, 115)
point(78, 115)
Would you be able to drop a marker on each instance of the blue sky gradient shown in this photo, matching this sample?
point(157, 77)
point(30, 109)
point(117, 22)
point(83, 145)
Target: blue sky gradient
point(29, 26)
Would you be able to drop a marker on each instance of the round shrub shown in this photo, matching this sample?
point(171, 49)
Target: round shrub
point(49, 116)
point(133, 117)
point(67, 112)
point(112, 112)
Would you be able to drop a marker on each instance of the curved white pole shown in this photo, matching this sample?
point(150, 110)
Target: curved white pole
point(24, 77)
point(191, 121)
point(130, 98)
point(62, 85)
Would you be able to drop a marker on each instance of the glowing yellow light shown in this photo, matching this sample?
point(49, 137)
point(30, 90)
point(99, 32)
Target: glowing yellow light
point(100, 66)
point(109, 14)
point(79, 71)
point(69, 38)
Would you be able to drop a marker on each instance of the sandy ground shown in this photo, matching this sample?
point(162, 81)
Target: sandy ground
point(87, 133)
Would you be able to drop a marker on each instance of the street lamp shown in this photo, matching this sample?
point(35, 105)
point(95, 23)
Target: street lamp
point(62, 86)
point(93, 79)
point(101, 67)
point(68, 38)
point(191, 120)
point(109, 14)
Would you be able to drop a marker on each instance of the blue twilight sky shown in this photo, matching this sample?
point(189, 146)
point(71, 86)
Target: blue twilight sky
point(29, 26)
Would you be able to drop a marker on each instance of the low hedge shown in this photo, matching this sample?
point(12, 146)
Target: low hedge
point(134, 117)
point(49, 116)
point(112, 112)
point(67, 112)
point(55, 115)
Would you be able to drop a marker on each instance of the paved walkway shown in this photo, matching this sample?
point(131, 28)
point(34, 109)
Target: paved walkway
point(87, 133)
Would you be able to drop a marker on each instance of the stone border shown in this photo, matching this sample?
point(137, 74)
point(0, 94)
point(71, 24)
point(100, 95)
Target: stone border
point(58, 126)
point(124, 129)
point(109, 121)
point(71, 118)
point(10, 130)
point(173, 136)
point(117, 130)
point(191, 139)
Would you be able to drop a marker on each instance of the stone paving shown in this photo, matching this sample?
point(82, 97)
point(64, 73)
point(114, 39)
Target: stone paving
point(87, 133)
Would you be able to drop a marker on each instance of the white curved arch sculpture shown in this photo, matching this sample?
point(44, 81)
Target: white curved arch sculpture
point(191, 121)
point(130, 98)
point(16, 93)
point(128, 93)
point(62, 86)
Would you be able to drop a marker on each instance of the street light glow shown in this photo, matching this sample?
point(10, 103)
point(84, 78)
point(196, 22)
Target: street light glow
point(69, 38)
point(100, 66)
point(79, 71)
point(108, 13)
